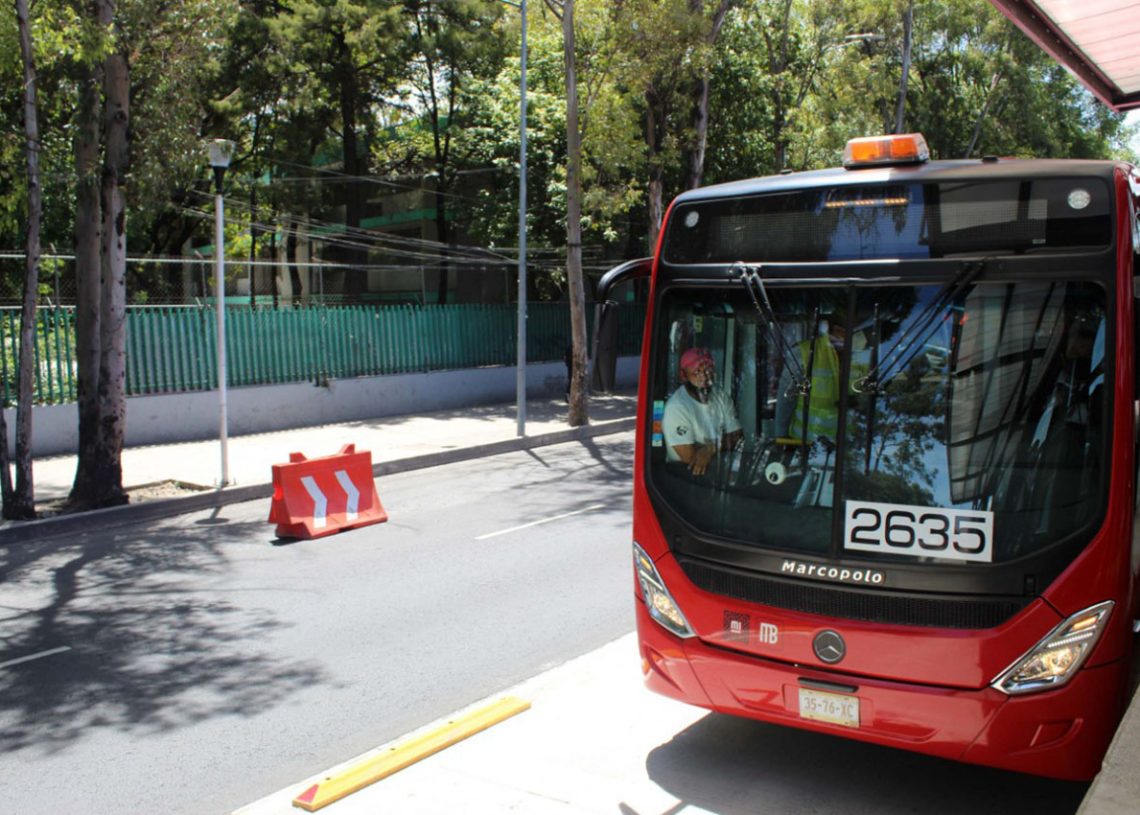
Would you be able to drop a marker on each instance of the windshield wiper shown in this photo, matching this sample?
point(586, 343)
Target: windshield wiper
point(754, 285)
point(801, 379)
point(908, 346)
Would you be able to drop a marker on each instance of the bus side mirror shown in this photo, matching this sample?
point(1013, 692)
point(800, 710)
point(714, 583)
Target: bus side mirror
point(603, 364)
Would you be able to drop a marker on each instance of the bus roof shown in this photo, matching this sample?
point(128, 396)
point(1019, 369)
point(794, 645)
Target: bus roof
point(928, 172)
point(1097, 40)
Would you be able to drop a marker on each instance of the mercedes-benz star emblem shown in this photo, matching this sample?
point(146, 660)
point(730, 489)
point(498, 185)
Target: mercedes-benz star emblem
point(829, 646)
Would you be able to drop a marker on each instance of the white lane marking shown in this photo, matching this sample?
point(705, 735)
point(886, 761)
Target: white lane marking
point(543, 521)
point(30, 657)
point(350, 510)
point(320, 503)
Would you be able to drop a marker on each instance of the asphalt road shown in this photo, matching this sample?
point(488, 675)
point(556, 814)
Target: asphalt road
point(196, 664)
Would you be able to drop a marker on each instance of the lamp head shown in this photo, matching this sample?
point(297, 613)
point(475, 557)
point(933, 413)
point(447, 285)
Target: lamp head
point(220, 150)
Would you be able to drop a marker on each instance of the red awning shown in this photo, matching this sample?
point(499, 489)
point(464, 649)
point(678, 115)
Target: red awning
point(1098, 40)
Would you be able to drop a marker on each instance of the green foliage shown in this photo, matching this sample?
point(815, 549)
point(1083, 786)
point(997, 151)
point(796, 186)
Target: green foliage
point(429, 91)
point(171, 46)
point(60, 40)
point(174, 58)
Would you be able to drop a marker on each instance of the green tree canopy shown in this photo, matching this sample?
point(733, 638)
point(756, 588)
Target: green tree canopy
point(334, 103)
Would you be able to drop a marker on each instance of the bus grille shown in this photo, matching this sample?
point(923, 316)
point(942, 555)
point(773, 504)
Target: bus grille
point(862, 604)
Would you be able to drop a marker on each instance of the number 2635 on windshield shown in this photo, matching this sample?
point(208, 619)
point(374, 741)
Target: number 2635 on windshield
point(900, 529)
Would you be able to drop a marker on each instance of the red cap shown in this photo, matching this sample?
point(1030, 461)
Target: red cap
point(694, 357)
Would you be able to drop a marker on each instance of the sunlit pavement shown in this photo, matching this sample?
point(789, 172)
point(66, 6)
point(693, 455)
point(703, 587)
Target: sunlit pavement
point(595, 740)
point(396, 444)
point(593, 732)
point(581, 747)
point(444, 435)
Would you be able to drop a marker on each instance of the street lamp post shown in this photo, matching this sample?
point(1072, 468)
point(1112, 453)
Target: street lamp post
point(220, 151)
point(521, 384)
point(520, 376)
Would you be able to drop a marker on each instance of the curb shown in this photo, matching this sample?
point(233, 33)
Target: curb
point(29, 531)
point(381, 763)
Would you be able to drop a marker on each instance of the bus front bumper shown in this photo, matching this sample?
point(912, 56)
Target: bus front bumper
point(1061, 734)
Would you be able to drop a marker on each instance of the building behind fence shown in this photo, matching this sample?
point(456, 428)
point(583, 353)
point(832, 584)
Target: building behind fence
point(172, 349)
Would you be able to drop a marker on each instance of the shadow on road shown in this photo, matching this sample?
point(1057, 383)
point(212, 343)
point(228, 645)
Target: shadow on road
point(733, 766)
point(150, 648)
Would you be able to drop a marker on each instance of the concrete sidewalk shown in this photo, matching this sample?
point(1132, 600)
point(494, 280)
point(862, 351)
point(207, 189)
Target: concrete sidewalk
point(171, 479)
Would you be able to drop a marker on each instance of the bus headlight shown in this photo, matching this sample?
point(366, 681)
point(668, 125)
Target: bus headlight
point(1053, 661)
point(662, 607)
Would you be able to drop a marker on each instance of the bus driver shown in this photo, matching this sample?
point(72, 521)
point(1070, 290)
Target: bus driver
point(699, 418)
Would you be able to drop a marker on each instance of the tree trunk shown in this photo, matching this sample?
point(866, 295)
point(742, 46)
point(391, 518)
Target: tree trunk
point(777, 68)
point(578, 414)
point(88, 222)
point(253, 230)
point(696, 157)
point(355, 279)
point(23, 504)
point(696, 153)
point(908, 31)
point(441, 146)
point(254, 227)
point(7, 494)
point(274, 278)
point(113, 311)
point(779, 139)
point(982, 114)
point(442, 236)
point(295, 282)
point(656, 204)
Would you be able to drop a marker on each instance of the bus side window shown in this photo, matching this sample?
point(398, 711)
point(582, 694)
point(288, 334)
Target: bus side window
point(1134, 207)
point(1134, 211)
point(1136, 372)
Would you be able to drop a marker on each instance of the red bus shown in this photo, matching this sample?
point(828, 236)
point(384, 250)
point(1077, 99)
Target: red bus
point(885, 474)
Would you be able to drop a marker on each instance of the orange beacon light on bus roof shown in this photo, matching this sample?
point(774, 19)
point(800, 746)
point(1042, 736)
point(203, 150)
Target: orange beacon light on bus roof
point(872, 151)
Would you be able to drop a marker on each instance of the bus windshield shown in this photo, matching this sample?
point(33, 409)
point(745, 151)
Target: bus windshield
point(911, 422)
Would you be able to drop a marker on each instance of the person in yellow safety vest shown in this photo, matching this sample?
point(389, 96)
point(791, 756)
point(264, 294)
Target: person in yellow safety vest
point(823, 408)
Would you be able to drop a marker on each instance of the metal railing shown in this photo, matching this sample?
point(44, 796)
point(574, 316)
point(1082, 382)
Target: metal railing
point(170, 349)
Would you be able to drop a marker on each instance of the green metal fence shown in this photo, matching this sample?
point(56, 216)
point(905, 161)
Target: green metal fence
point(53, 357)
point(171, 349)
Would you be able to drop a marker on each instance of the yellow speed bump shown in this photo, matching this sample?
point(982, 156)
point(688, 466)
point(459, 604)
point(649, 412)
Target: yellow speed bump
point(398, 756)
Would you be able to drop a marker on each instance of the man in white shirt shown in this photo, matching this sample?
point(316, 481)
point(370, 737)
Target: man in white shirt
point(699, 419)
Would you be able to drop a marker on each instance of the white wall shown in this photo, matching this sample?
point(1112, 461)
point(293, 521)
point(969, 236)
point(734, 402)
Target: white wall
point(194, 416)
